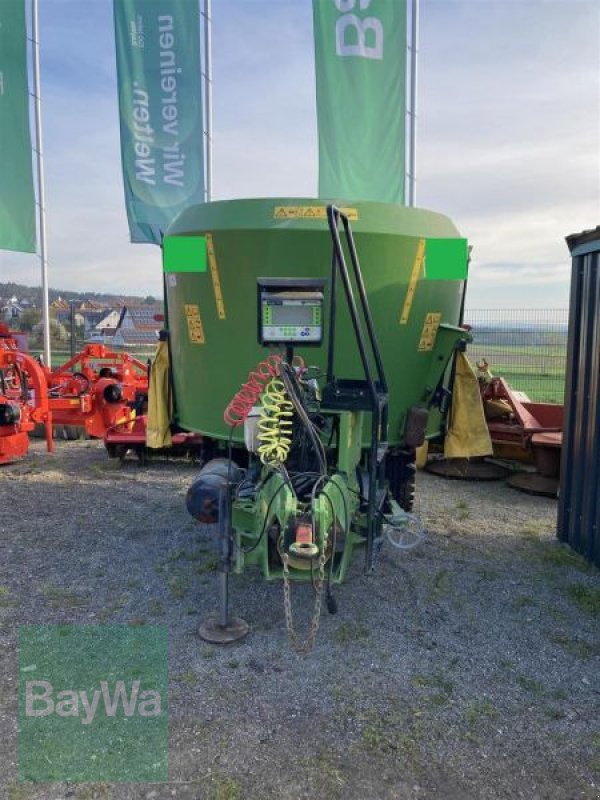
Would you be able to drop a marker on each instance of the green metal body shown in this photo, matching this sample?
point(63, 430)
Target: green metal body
point(254, 238)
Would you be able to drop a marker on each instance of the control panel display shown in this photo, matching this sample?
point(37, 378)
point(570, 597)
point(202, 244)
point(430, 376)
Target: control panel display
point(290, 313)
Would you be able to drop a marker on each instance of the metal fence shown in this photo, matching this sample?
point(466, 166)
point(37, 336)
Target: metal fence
point(527, 347)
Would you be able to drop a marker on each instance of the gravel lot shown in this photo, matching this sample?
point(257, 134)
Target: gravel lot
point(466, 668)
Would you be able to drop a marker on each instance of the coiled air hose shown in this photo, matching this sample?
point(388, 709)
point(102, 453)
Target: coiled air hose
point(247, 396)
point(275, 424)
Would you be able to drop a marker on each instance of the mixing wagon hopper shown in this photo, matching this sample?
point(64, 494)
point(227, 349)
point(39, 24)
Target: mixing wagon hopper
point(347, 363)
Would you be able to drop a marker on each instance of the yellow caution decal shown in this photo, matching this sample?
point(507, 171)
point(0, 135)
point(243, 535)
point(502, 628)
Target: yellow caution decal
point(194, 323)
point(214, 274)
point(429, 332)
point(310, 212)
point(412, 283)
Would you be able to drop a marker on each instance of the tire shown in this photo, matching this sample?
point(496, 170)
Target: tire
point(39, 432)
point(401, 471)
point(71, 433)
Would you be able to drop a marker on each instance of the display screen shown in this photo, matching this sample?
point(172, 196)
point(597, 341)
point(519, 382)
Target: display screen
point(290, 311)
point(300, 314)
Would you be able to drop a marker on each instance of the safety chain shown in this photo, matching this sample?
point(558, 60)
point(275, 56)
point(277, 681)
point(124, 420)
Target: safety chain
point(305, 647)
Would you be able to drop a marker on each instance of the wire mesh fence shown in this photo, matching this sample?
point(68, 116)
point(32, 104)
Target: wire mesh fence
point(527, 347)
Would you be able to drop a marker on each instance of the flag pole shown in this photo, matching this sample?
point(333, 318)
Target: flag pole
point(35, 41)
point(412, 135)
point(207, 14)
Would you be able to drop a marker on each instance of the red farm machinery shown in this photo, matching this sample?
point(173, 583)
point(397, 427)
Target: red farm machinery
point(24, 401)
point(95, 391)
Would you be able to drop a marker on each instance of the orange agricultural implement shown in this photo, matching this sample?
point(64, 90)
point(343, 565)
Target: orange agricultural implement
point(124, 438)
point(152, 432)
point(97, 389)
point(522, 429)
point(23, 399)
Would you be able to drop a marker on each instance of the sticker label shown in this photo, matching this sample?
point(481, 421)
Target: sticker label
point(171, 280)
point(214, 274)
point(412, 283)
point(310, 212)
point(194, 323)
point(429, 332)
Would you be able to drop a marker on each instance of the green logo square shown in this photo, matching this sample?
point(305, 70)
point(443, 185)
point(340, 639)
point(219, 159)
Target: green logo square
point(184, 254)
point(93, 703)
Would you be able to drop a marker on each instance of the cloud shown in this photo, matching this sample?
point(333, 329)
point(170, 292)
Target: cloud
point(509, 136)
point(508, 141)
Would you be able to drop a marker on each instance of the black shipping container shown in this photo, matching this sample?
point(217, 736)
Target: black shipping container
point(579, 498)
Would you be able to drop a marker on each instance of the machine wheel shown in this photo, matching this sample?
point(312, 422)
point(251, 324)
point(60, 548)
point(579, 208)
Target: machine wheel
point(71, 433)
point(402, 475)
point(39, 432)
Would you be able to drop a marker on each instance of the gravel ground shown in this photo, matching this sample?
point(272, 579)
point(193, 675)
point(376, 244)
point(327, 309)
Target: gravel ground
point(466, 668)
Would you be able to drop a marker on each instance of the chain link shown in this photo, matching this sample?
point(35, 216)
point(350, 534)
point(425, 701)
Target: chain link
point(303, 648)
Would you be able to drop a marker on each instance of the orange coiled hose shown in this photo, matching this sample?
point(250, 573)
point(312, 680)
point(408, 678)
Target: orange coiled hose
point(247, 396)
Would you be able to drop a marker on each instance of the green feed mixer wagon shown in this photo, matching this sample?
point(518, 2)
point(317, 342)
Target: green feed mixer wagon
point(311, 348)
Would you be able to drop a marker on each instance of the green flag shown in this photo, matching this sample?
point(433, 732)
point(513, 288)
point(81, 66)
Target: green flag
point(158, 69)
point(17, 199)
point(360, 53)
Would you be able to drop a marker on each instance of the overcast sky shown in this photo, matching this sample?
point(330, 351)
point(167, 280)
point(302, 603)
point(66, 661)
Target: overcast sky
point(508, 142)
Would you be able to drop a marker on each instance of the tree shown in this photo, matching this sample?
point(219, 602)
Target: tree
point(58, 334)
point(29, 318)
point(150, 301)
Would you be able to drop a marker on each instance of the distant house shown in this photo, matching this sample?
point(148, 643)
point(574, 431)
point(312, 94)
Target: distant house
point(92, 319)
point(138, 326)
point(59, 305)
point(11, 310)
point(87, 315)
point(104, 330)
point(108, 324)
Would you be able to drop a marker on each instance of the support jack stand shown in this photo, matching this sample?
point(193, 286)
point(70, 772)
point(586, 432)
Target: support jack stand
point(219, 627)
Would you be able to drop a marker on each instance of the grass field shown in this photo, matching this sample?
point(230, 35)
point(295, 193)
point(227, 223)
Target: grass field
point(537, 370)
point(542, 379)
point(527, 347)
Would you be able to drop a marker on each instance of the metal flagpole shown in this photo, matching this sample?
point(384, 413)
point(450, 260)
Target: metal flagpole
point(40, 181)
point(412, 136)
point(208, 94)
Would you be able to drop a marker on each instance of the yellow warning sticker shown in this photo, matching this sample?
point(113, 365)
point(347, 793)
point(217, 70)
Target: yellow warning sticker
point(429, 332)
point(194, 323)
point(214, 274)
point(310, 212)
point(412, 283)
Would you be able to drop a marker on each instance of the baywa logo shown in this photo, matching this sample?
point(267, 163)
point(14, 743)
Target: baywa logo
point(93, 703)
point(41, 700)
